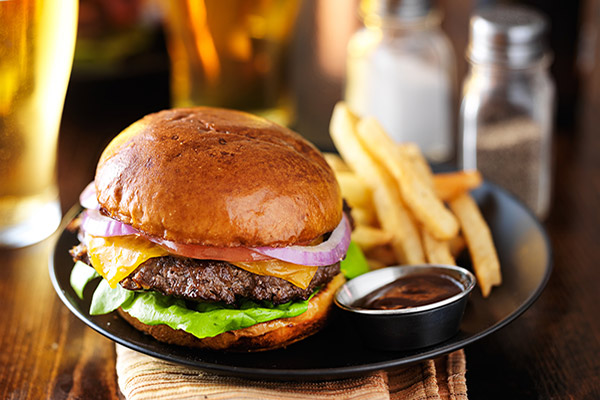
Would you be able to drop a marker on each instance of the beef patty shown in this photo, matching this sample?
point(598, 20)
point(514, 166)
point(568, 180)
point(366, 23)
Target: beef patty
point(212, 280)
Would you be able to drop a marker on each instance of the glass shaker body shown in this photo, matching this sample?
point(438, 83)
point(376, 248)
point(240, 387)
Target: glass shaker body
point(403, 73)
point(505, 129)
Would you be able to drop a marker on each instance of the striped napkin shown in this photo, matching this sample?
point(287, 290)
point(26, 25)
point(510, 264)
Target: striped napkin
point(143, 377)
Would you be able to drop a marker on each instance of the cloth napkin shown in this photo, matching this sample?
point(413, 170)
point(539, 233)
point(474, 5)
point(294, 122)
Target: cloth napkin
point(143, 377)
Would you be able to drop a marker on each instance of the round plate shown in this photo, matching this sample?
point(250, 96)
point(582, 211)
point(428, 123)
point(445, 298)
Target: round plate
point(336, 351)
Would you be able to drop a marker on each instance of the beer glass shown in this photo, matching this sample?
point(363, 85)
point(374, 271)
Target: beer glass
point(37, 41)
point(231, 54)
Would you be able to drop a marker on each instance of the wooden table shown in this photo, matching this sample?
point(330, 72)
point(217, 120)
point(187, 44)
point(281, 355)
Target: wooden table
point(552, 351)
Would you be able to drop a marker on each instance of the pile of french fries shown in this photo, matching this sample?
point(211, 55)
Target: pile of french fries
point(404, 214)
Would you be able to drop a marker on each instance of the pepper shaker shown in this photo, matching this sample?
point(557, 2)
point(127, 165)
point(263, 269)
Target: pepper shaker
point(506, 115)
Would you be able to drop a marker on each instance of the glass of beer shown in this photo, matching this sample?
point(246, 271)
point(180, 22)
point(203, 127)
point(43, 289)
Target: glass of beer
point(37, 41)
point(231, 54)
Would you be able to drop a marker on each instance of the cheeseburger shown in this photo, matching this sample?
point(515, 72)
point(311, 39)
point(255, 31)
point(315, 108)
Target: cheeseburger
point(214, 229)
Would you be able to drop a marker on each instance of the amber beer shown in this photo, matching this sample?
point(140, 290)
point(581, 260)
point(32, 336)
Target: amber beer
point(37, 40)
point(231, 54)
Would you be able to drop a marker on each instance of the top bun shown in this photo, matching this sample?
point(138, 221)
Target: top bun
point(217, 177)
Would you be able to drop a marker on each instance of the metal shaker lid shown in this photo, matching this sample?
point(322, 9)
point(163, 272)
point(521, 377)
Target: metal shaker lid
point(512, 36)
point(401, 9)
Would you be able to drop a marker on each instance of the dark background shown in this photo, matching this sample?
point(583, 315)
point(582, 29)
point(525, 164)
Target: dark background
point(139, 83)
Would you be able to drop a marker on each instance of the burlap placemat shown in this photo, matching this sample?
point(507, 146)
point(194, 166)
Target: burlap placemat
point(143, 377)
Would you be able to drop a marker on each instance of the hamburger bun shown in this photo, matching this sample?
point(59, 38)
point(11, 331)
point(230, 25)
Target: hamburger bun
point(222, 181)
point(260, 337)
point(217, 177)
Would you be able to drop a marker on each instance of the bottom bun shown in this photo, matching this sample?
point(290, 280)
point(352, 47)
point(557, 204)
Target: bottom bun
point(268, 335)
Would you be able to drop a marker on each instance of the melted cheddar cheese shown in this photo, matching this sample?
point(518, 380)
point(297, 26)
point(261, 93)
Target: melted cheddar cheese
point(299, 275)
point(116, 257)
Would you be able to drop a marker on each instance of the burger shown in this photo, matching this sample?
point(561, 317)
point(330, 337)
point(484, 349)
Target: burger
point(213, 229)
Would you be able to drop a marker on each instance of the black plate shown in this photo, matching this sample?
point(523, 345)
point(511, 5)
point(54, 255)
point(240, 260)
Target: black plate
point(336, 351)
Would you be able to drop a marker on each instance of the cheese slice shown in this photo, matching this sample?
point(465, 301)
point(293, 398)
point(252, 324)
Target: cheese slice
point(116, 257)
point(299, 275)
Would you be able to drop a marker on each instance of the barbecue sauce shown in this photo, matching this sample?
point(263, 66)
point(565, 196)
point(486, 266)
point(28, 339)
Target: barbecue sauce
point(410, 291)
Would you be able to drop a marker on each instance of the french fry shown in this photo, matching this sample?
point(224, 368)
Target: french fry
point(420, 165)
point(395, 218)
point(397, 202)
point(479, 241)
point(354, 190)
point(437, 251)
point(336, 162)
point(457, 245)
point(417, 194)
point(383, 254)
point(391, 213)
point(375, 264)
point(453, 184)
point(367, 237)
point(364, 216)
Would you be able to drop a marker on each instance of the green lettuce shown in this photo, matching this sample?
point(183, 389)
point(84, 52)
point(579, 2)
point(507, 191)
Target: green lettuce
point(107, 299)
point(201, 319)
point(204, 319)
point(81, 275)
point(208, 319)
point(355, 263)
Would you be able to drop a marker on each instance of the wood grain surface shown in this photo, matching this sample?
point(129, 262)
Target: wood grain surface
point(44, 351)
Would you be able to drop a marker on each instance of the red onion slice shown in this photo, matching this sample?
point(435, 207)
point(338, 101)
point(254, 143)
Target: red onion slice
point(87, 198)
point(97, 224)
point(327, 253)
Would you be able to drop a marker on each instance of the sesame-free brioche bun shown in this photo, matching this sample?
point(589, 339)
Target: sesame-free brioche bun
point(269, 335)
point(217, 177)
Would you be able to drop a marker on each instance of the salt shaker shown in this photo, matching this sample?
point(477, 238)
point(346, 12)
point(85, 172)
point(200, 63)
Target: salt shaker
point(506, 115)
point(401, 69)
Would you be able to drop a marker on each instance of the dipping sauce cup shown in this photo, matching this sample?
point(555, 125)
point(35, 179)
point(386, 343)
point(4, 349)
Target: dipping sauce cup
point(406, 307)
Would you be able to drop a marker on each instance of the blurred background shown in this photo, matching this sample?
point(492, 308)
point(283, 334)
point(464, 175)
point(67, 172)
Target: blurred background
point(122, 70)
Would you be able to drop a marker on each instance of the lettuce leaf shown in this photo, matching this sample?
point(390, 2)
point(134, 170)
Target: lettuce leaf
point(107, 299)
point(81, 275)
point(205, 319)
point(208, 319)
point(355, 263)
